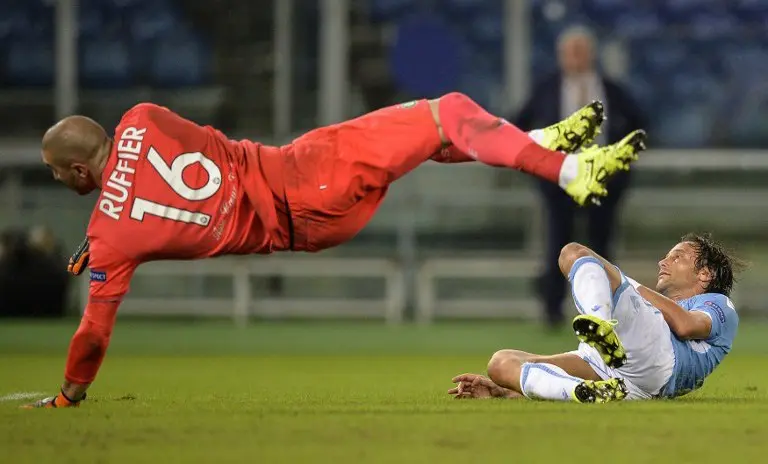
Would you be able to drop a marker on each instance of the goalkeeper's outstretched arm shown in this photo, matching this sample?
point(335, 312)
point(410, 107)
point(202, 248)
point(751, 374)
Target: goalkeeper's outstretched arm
point(88, 347)
point(110, 272)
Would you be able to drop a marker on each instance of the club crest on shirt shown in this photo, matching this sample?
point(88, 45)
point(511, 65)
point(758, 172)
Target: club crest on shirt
point(98, 276)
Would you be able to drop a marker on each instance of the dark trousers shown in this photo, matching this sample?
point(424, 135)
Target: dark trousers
point(561, 213)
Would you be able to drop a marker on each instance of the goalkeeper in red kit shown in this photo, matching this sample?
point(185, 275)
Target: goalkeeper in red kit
point(172, 189)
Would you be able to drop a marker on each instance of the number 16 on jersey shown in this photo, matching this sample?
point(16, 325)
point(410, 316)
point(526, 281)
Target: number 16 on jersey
point(173, 176)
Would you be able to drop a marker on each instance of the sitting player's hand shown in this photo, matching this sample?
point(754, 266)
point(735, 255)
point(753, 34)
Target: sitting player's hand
point(474, 386)
point(58, 401)
point(79, 259)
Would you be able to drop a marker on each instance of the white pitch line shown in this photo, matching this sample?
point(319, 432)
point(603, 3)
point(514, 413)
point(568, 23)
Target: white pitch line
point(20, 396)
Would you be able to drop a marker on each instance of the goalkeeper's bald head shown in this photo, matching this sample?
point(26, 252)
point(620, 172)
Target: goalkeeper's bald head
point(76, 150)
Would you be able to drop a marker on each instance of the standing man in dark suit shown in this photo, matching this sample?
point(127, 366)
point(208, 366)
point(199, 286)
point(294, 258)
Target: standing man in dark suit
point(577, 83)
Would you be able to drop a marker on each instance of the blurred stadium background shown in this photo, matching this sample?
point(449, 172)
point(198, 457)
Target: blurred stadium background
point(269, 70)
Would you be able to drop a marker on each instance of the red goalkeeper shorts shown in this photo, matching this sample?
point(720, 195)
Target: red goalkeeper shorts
point(335, 177)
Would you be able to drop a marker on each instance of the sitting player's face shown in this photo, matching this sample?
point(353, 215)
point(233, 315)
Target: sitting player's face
point(76, 176)
point(677, 271)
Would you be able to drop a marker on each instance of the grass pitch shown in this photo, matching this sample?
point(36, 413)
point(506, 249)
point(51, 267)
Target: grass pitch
point(351, 392)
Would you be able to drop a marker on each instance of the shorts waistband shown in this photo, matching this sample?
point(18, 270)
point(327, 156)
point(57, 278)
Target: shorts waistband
point(274, 162)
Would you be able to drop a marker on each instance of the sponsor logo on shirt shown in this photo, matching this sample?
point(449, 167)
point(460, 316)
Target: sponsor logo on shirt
point(98, 276)
point(718, 310)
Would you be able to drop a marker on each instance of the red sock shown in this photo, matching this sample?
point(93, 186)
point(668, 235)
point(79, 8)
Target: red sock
point(493, 141)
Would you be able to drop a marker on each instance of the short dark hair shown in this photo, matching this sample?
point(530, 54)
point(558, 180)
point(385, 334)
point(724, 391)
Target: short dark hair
point(714, 256)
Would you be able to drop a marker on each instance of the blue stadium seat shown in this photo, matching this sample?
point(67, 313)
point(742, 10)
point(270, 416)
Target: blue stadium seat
point(744, 59)
point(682, 8)
point(180, 60)
point(543, 60)
point(483, 88)
point(91, 22)
point(658, 55)
point(152, 21)
point(692, 83)
point(30, 63)
point(465, 5)
point(389, 10)
point(468, 8)
point(426, 58)
point(550, 18)
point(105, 63)
point(485, 60)
point(606, 5)
point(750, 10)
point(487, 30)
point(712, 25)
point(119, 8)
point(128, 4)
point(40, 6)
point(644, 89)
point(745, 120)
point(11, 22)
point(688, 125)
point(638, 24)
point(25, 21)
point(707, 53)
point(605, 11)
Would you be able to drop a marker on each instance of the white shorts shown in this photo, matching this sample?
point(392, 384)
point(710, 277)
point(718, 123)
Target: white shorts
point(647, 340)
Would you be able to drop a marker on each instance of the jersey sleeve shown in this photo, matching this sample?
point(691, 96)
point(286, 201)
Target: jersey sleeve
point(110, 272)
point(110, 275)
point(721, 311)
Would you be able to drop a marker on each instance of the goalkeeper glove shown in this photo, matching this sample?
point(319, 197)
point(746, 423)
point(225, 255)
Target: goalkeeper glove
point(79, 260)
point(58, 401)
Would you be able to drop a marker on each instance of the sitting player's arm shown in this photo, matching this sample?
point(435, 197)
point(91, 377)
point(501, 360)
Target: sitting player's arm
point(687, 325)
point(110, 274)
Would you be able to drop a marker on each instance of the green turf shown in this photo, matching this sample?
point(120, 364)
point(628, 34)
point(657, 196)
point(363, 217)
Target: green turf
point(336, 392)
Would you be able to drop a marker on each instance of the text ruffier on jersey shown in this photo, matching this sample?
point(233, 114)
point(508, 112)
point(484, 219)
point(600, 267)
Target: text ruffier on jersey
point(115, 188)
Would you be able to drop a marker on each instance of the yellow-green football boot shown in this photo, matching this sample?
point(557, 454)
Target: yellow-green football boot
point(600, 335)
point(597, 164)
point(600, 391)
point(576, 131)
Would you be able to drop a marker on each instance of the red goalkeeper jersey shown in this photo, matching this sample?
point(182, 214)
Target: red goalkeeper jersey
point(171, 189)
